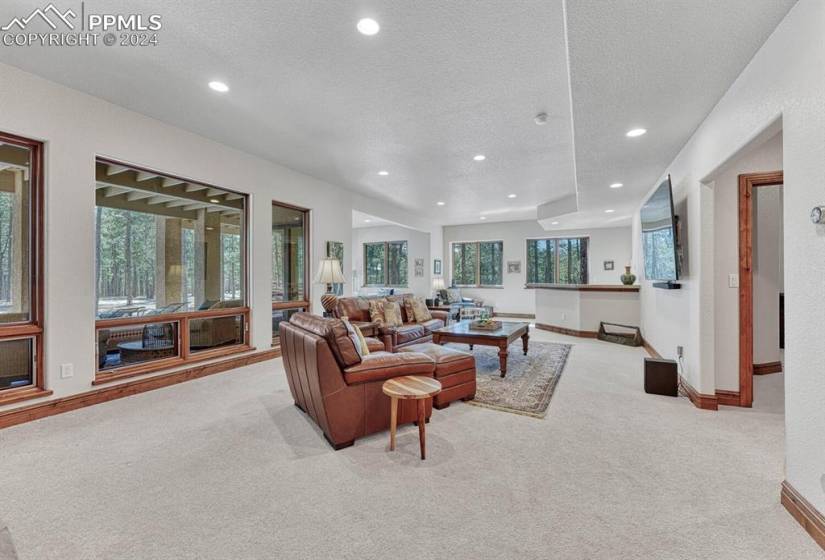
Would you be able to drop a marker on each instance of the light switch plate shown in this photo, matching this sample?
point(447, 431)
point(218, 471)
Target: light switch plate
point(66, 371)
point(733, 280)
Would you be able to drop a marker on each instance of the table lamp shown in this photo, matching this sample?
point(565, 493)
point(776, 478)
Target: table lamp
point(438, 285)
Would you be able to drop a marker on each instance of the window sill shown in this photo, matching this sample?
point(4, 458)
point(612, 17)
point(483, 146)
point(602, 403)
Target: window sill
point(167, 364)
point(11, 396)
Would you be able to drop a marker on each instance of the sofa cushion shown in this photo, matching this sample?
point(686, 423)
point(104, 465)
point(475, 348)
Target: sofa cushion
point(409, 332)
point(374, 344)
point(447, 360)
point(356, 308)
point(432, 325)
point(420, 311)
point(377, 311)
point(383, 365)
point(336, 334)
point(409, 309)
point(392, 314)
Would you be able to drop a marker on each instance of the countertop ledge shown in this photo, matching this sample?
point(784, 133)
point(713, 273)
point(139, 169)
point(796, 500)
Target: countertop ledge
point(585, 287)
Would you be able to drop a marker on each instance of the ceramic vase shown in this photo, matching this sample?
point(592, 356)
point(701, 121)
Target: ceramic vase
point(628, 278)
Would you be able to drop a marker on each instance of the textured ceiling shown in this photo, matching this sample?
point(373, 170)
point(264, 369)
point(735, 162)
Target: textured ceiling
point(441, 82)
point(660, 65)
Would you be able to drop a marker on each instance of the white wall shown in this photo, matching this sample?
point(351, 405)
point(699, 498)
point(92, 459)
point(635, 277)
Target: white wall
point(780, 81)
point(764, 156)
point(76, 127)
point(605, 244)
point(418, 246)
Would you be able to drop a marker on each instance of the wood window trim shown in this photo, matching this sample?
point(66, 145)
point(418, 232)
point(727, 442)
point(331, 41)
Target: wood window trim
point(185, 354)
point(556, 257)
point(748, 182)
point(478, 284)
point(33, 328)
point(307, 246)
point(386, 245)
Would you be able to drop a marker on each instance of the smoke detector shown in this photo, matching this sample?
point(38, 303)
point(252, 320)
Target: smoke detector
point(541, 119)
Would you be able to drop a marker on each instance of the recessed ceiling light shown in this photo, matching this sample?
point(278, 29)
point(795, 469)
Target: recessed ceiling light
point(512, 195)
point(483, 218)
point(609, 211)
point(635, 132)
point(383, 173)
point(440, 203)
point(367, 220)
point(480, 157)
point(368, 26)
point(554, 223)
point(219, 86)
point(616, 185)
point(214, 201)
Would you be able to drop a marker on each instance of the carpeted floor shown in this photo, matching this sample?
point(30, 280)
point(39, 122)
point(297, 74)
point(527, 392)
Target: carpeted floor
point(227, 468)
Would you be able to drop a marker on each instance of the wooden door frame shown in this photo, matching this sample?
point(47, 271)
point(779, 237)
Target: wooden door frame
point(747, 182)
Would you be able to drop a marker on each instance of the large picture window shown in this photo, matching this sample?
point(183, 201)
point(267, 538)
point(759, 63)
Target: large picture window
point(385, 264)
point(21, 265)
point(290, 248)
point(477, 263)
point(170, 270)
point(557, 261)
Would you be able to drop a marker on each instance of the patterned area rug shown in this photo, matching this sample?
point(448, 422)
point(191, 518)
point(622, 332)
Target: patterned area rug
point(530, 381)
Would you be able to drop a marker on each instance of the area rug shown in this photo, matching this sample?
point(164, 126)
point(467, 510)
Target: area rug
point(530, 381)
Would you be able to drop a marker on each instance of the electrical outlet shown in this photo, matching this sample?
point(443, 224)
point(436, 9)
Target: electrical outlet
point(66, 371)
point(679, 351)
point(733, 280)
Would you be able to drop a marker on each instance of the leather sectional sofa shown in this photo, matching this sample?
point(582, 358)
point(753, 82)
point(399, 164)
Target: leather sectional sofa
point(342, 391)
point(357, 309)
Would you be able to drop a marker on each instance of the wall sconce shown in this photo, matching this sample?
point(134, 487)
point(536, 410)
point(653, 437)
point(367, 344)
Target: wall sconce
point(818, 215)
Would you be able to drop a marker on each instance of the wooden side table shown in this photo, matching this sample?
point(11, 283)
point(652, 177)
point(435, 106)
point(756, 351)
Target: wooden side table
point(411, 387)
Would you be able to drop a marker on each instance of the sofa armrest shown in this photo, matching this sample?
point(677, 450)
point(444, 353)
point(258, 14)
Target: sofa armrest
point(374, 344)
point(443, 315)
point(367, 328)
point(389, 336)
point(383, 366)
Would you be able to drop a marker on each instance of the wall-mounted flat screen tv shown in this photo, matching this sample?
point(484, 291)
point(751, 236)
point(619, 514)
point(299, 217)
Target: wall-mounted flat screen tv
point(659, 242)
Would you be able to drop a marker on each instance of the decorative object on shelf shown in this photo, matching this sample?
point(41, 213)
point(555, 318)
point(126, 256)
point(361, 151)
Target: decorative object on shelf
point(329, 273)
point(437, 267)
point(628, 278)
point(336, 249)
point(608, 265)
point(513, 267)
point(438, 285)
point(419, 268)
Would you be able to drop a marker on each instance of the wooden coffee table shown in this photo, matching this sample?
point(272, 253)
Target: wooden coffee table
point(500, 338)
point(415, 387)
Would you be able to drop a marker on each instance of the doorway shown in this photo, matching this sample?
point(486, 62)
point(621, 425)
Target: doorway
point(748, 183)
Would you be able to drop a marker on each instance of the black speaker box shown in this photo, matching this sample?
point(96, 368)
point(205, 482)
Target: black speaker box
point(661, 377)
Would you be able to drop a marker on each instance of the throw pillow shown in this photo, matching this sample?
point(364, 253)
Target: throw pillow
point(357, 338)
point(409, 309)
point(392, 314)
point(420, 310)
point(377, 311)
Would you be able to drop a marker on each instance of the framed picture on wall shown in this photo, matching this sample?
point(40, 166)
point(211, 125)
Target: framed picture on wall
point(513, 267)
point(419, 267)
point(336, 249)
point(437, 267)
point(608, 265)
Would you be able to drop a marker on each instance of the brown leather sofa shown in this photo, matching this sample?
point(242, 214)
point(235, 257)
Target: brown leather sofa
point(357, 309)
point(336, 387)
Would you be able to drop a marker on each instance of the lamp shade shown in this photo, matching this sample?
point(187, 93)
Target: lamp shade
point(329, 272)
point(438, 283)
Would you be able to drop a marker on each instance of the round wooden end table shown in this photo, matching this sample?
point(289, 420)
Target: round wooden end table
point(414, 387)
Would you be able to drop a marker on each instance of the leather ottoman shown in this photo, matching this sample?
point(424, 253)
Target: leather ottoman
point(455, 370)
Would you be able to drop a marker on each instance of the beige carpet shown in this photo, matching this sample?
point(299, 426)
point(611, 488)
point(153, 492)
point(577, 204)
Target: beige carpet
point(226, 468)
